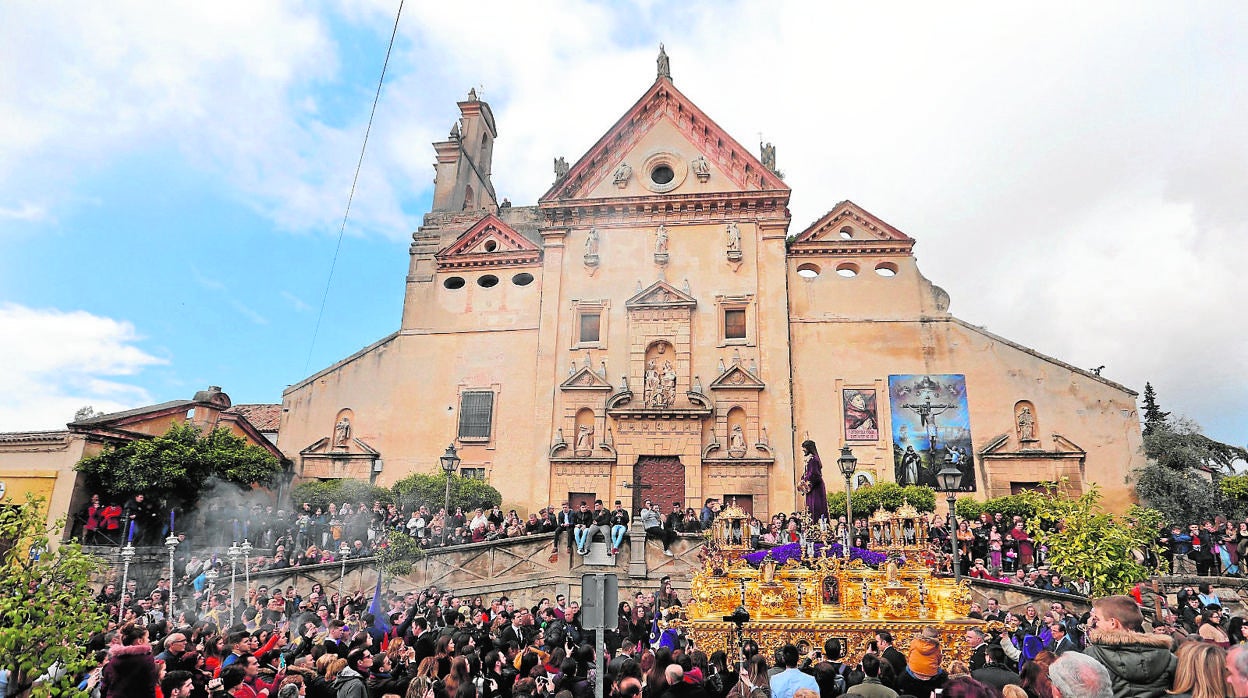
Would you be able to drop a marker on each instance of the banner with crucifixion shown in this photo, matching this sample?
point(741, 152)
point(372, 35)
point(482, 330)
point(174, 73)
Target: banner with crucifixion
point(931, 428)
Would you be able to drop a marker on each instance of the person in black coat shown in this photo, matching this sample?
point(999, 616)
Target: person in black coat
point(890, 654)
point(131, 669)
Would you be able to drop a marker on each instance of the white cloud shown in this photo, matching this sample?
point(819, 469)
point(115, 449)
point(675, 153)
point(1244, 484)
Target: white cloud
point(63, 361)
point(1074, 175)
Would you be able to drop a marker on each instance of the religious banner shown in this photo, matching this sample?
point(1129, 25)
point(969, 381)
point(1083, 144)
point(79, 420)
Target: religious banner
point(931, 428)
point(861, 421)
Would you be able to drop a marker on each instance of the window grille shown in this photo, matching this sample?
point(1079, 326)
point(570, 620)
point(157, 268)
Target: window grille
point(476, 414)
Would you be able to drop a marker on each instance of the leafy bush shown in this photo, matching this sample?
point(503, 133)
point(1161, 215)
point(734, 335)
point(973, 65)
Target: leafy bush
point(886, 495)
point(321, 494)
point(1009, 505)
point(430, 490)
point(1092, 544)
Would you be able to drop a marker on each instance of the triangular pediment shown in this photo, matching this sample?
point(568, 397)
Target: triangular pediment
point(850, 228)
point(736, 377)
point(663, 124)
point(489, 242)
point(324, 448)
point(661, 294)
point(585, 379)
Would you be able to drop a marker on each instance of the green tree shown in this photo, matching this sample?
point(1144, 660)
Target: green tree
point(430, 490)
point(176, 465)
point(1153, 416)
point(47, 603)
point(1181, 463)
point(322, 494)
point(1086, 542)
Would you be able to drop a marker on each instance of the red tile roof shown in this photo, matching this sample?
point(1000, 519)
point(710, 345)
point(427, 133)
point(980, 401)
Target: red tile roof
point(265, 418)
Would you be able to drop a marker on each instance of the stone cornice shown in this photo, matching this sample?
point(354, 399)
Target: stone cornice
point(638, 211)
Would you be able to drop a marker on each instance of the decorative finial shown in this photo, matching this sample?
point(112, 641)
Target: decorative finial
point(665, 66)
point(455, 131)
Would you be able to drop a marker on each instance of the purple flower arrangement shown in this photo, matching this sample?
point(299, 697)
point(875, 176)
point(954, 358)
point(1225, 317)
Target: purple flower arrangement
point(793, 551)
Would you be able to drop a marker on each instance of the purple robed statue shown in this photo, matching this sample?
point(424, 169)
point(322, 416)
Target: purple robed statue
point(816, 494)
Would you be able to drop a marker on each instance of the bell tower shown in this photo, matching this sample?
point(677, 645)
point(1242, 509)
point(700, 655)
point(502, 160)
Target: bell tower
point(462, 181)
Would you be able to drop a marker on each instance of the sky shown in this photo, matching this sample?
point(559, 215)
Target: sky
point(174, 175)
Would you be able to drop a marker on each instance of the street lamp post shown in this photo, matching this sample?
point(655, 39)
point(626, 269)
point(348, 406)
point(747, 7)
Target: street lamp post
point(127, 556)
point(233, 554)
point(343, 550)
point(246, 550)
point(950, 480)
point(848, 464)
point(450, 463)
point(211, 577)
point(172, 543)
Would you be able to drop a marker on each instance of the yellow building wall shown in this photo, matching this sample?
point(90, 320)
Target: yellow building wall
point(856, 332)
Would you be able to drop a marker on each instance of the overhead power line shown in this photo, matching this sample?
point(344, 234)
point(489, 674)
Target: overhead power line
point(354, 181)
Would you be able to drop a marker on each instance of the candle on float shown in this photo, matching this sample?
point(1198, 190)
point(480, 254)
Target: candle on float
point(246, 525)
point(235, 529)
point(130, 536)
point(171, 522)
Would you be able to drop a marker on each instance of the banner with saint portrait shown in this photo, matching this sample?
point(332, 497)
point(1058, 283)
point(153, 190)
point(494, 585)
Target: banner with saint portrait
point(861, 421)
point(931, 428)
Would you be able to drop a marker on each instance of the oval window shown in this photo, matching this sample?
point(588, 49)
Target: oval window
point(523, 279)
point(886, 269)
point(808, 270)
point(454, 282)
point(488, 281)
point(490, 246)
point(847, 269)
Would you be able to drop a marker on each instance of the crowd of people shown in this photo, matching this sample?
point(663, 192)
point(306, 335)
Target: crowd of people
point(435, 644)
point(1213, 548)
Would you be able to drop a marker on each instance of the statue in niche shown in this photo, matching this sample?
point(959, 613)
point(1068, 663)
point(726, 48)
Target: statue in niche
point(561, 168)
point(701, 168)
point(1026, 424)
point(622, 174)
point(591, 243)
point(342, 432)
point(585, 441)
point(736, 442)
point(734, 237)
point(660, 241)
point(653, 384)
point(669, 384)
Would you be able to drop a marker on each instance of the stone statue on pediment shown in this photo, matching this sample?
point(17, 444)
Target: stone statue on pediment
point(561, 168)
point(701, 168)
point(342, 432)
point(622, 174)
point(664, 64)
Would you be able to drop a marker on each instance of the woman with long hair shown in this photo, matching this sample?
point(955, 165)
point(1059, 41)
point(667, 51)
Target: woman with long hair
point(1201, 671)
point(457, 676)
point(1211, 629)
point(1035, 677)
point(443, 650)
point(754, 682)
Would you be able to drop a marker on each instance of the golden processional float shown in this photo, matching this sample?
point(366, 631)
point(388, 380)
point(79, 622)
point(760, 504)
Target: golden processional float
point(807, 592)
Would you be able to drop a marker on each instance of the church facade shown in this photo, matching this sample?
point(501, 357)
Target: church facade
point(654, 328)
